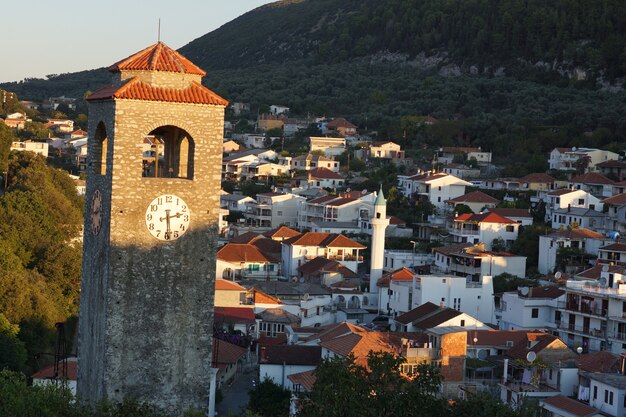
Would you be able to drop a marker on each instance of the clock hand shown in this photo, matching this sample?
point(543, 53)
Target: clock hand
point(167, 220)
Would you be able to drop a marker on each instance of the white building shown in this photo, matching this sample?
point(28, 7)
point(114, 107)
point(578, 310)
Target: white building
point(586, 240)
point(529, 308)
point(386, 150)
point(471, 297)
point(595, 183)
point(40, 148)
point(615, 220)
point(447, 154)
point(344, 208)
point(565, 159)
point(571, 198)
point(277, 363)
point(465, 260)
point(278, 109)
point(235, 202)
point(330, 146)
point(273, 209)
point(486, 228)
point(319, 178)
point(241, 261)
point(308, 162)
point(434, 187)
point(298, 250)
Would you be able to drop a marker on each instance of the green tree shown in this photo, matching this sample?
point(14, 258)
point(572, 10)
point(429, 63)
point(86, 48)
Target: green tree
point(269, 399)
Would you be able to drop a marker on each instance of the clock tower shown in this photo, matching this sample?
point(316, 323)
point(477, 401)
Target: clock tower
point(151, 221)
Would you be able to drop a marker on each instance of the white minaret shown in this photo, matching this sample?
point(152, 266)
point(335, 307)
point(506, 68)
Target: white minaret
point(379, 224)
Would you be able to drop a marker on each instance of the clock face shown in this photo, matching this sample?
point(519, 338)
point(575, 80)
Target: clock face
point(167, 217)
point(96, 212)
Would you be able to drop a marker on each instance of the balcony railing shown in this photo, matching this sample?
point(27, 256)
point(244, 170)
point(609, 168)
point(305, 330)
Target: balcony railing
point(414, 352)
point(584, 309)
point(345, 258)
point(586, 330)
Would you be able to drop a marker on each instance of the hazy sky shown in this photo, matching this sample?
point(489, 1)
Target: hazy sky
point(42, 37)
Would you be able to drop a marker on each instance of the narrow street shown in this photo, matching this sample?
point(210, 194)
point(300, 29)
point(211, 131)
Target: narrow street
point(235, 397)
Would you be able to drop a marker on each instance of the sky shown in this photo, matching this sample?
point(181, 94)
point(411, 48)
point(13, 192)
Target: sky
point(42, 37)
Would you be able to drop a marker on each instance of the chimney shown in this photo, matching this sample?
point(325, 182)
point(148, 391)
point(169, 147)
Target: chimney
point(569, 208)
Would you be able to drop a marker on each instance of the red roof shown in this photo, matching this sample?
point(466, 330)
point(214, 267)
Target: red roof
point(157, 57)
point(617, 200)
point(325, 173)
point(234, 314)
point(227, 353)
point(236, 252)
point(135, 89)
point(323, 240)
point(537, 178)
point(591, 178)
point(225, 285)
point(578, 233)
point(305, 379)
point(48, 371)
point(475, 197)
point(340, 122)
point(571, 406)
point(488, 217)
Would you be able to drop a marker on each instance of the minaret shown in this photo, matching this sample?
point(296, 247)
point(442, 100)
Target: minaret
point(379, 224)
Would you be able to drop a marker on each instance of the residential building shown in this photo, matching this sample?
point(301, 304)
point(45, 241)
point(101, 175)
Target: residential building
point(537, 182)
point(447, 154)
point(569, 159)
point(341, 126)
point(484, 228)
point(255, 141)
point(238, 261)
point(578, 217)
point(64, 373)
point(596, 184)
point(235, 202)
point(459, 293)
point(437, 188)
point(615, 219)
point(477, 201)
point(429, 316)
point(613, 169)
point(521, 216)
point(570, 198)
point(465, 260)
point(325, 272)
point(562, 406)
point(239, 108)
point(230, 146)
point(229, 293)
point(261, 171)
point(229, 360)
point(308, 162)
point(386, 150)
point(278, 363)
point(352, 207)
point(278, 109)
point(529, 308)
point(319, 178)
point(329, 146)
point(586, 240)
point(267, 122)
point(607, 392)
point(461, 170)
point(297, 250)
point(235, 319)
point(405, 258)
point(273, 209)
point(612, 254)
point(40, 148)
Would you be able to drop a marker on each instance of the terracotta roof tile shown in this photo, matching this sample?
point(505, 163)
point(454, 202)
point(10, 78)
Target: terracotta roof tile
point(290, 355)
point(475, 197)
point(417, 313)
point(578, 233)
point(489, 217)
point(228, 353)
point(247, 237)
point(537, 177)
point(340, 122)
point(321, 264)
point(602, 361)
point(234, 314)
point(236, 252)
point(616, 200)
point(549, 291)
point(612, 163)
point(305, 379)
point(571, 406)
point(282, 232)
point(325, 173)
point(225, 285)
point(48, 371)
point(591, 178)
point(595, 272)
point(157, 57)
point(618, 247)
point(328, 240)
point(402, 274)
point(135, 89)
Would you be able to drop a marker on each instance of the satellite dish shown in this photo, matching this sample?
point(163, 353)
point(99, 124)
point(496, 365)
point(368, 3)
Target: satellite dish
point(558, 275)
point(531, 356)
point(605, 268)
point(602, 282)
point(306, 296)
point(301, 279)
point(524, 291)
point(482, 354)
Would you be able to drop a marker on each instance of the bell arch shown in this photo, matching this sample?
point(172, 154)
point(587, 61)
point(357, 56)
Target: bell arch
point(168, 152)
point(99, 154)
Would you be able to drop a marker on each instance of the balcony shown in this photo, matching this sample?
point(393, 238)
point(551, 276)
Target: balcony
point(583, 309)
point(617, 336)
point(413, 354)
point(464, 232)
point(587, 331)
point(346, 258)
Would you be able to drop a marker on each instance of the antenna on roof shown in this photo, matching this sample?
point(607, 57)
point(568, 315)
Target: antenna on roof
point(159, 31)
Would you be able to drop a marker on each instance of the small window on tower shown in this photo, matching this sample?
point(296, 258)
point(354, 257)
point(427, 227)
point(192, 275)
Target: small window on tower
point(99, 156)
point(378, 215)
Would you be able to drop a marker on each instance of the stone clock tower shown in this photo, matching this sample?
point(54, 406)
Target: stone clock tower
point(151, 216)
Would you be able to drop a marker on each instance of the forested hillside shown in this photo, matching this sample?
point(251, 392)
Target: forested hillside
point(40, 218)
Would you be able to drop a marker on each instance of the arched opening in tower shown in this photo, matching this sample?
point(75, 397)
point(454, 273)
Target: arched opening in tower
point(168, 152)
point(99, 158)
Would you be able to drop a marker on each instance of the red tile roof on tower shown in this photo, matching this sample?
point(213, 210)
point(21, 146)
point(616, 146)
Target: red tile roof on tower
point(157, 57)
point(135, 89)
point(591, 178)
point(475, 197)
point(488, 217)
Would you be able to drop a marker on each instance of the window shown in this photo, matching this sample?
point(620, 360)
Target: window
point(99, 159)
point(606, 396)
point(610, 397)
point(279, 213)
point(581, 201)
point(462, 323)
point(510, 229)
point(595, 392)
point(534, 313)
point(439, 199)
